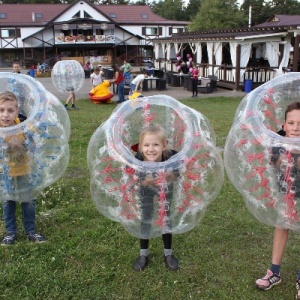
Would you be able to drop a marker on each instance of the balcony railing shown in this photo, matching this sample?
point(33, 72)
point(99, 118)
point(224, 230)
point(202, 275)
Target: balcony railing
point(85, 39)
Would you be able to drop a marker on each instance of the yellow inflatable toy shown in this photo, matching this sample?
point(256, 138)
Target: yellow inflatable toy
point(134, 95)
point(101, 93)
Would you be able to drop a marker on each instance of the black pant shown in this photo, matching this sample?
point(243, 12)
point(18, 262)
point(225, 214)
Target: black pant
point(167, 239)
point(147, 206)
point(195, 86)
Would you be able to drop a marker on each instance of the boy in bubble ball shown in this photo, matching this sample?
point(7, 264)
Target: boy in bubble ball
point(152, 147)
point(291, 129)
point(18, 169)
point(16, 67)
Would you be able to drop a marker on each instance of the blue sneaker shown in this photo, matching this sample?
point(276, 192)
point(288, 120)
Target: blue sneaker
point(35, 237)
point(9, 239)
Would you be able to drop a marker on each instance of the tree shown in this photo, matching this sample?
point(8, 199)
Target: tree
point(284, 7)
point(259, 14)
point(218, 14)
point(139, 2)
point(263, 10)
point(170, 9)
point(192, 9)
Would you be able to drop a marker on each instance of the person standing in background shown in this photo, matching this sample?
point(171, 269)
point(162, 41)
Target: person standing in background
point(119, 80)
point(195, 74)
point(127, 69)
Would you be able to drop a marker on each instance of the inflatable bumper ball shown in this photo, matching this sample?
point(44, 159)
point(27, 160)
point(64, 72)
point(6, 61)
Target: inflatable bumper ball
point(253, 146)
point(165, 207)
point(68, 76)
point(45, 131)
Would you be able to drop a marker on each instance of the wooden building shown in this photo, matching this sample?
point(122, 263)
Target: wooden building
point(259, 53)
point(105, 34)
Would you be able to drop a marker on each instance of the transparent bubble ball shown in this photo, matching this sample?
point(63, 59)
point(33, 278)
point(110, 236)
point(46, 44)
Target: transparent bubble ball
point(67, 76)
point(253, 148)
point(44, 135)
point(116, 174)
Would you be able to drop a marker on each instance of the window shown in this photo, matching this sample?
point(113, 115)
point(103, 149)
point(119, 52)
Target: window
point(177, 30)
point(77, 15)
point(86, 15)
point(9, 56)
point(112, 15)
point(144, 16)
point(2, 15)
point(83, 32)
point(151, 30)
point(99, 32)
point(39, 15)
point(8, 33)
point(66, 32)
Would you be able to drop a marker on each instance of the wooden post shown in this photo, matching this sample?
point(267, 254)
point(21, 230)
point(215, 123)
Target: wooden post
point(213, 61)
point(281, 49)
point(238, 67)
point(296, 54)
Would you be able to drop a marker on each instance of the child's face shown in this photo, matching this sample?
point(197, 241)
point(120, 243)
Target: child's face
point(152, 147)
point(8, 113)
point(16, 67)
point(291, 126)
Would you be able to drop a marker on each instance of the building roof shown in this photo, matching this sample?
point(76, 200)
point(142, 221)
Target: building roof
point(281, 20)
point(22, 14)
point(42, 14)
point(222, 34)
point(136, 14)
point(277, 25)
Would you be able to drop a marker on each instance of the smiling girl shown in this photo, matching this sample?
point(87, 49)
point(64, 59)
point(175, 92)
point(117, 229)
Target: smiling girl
point(153, 148)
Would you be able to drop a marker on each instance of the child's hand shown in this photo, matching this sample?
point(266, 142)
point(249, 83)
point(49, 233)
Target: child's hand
point(149, 180)
point(170, 176)
point(278, 163)
point(15, 144)
point(298, 162)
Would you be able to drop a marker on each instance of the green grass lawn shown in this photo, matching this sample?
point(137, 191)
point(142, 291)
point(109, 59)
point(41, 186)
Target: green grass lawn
point(90, 257)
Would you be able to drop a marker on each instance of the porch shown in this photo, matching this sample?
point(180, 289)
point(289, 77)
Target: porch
point(227, 75)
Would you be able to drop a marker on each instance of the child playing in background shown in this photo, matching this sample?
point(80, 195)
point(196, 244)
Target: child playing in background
point(19, 167)
point(71, 98)
point(153, 148)
point(291, 129)
point(137, 83)
point(96, 77)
